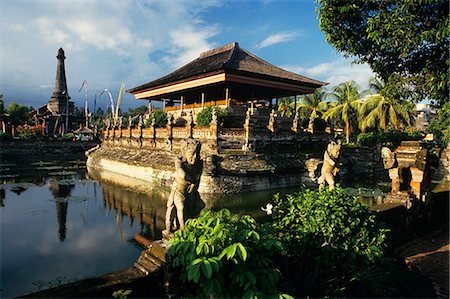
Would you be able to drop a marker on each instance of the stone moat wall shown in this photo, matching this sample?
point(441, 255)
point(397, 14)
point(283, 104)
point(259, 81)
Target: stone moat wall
point(231, 171)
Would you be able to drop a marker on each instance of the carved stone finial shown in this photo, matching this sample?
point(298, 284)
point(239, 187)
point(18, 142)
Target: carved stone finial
point(214, 116)
point(190, 119)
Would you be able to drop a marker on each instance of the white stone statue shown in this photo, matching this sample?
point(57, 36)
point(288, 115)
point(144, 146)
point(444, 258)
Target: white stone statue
point(330, 164)
point(187, 173)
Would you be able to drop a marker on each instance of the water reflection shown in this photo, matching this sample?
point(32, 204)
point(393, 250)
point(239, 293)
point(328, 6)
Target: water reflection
point(147, 210)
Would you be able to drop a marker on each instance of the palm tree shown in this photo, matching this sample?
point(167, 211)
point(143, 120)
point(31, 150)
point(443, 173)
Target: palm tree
point(313, 105)
point(346, 106)
point(382, 112)
point(285, 106)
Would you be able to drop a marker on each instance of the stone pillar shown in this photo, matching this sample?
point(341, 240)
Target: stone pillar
point(393, 175)
point(214, 131)
point(248, 144)
point(272, 124)
point(296, 123)
point(140, 125)
point(190, 124)
point(169, 127)
point(416, 181)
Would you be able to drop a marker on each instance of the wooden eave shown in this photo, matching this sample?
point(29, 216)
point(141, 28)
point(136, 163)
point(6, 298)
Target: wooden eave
point(224, 76)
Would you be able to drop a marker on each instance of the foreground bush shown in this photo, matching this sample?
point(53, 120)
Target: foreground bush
point(223, 255)
point(328, 238)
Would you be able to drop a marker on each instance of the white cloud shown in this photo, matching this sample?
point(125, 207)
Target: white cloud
point(278, 38)
point(104, 42)
point(336, 72)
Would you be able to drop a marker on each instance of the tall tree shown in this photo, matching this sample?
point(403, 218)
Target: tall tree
point(383, 111)
point(17, 114)
point(2, 104)
point(347, 102)
point(286, 106)
point(405, 42)
point(313, 105)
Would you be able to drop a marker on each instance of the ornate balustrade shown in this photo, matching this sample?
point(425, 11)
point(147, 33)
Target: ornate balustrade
point(275, 132)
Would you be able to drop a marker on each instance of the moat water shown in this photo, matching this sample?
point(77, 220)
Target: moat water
point(59, 225)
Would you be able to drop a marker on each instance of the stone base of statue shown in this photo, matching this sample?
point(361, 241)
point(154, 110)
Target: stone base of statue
point(166, 235)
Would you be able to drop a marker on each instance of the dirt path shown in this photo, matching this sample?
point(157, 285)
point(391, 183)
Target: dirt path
point(430, 255)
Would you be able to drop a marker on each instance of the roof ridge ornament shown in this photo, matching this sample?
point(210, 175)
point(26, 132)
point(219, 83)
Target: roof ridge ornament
point(218, 50)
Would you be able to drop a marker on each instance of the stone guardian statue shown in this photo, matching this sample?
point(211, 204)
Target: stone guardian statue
point(185, 184)
point(330, 164)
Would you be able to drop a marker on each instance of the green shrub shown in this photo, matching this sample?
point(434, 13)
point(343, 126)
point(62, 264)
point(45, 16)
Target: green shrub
point(368, 139)
point(391, 138)
point(68, 137)
point(224, 255)
point(204, 117)
point(160, 117)
point(328, 237)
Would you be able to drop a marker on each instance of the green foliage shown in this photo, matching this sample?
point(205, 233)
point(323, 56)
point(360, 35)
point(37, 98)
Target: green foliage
point(441, 125)
point(383, 112)
point(122, 294)
point(391, 138)
point(160, 117)
point(68, 137)
point(204, 117)
point(328, 237)
point(405, 42)
point(17, 114)
point(346, 106)
point(368, 139)
point(224, 255)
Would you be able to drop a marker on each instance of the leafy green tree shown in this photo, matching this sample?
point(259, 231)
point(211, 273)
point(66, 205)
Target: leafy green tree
point(384, 112)
point(441, 125)
point(346, 105)
point(313, 105)
point(18, 114)
point(221, 255)
point(405, 42)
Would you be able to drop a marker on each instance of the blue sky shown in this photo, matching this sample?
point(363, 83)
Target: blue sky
point(137, 41)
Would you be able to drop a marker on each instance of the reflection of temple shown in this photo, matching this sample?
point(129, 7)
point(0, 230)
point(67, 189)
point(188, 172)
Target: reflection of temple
point(61, 191)
point(147, 209)
point(61, 215)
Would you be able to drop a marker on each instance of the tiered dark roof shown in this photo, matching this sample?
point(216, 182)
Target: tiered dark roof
point(229, 59)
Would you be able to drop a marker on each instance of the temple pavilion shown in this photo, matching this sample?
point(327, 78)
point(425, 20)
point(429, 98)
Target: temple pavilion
point(228, 77)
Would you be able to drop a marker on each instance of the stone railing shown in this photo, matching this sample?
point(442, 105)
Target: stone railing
point(251, 137)
point(165, 138)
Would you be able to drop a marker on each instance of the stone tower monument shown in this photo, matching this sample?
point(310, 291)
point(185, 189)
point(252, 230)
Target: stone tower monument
point(60, 98)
